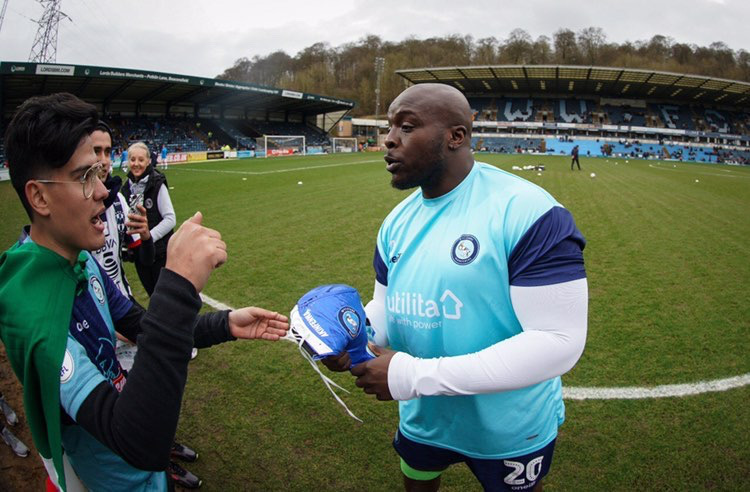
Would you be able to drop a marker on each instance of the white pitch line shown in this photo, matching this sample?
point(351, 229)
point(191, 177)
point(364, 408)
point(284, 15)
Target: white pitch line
point(275, 171)
point(664, 391)
point(698, 172)
point(219, 306)
point(621, 393)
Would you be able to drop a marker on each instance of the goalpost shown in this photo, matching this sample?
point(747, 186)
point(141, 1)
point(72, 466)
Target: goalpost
point(279, 145)
point(344, 144)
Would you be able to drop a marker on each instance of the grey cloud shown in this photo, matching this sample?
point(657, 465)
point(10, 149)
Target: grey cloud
point(197, 38)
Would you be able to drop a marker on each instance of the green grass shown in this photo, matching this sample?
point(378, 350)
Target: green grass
point(667, 263)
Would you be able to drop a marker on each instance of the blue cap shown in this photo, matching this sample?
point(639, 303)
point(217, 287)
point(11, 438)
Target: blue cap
point(331, 319)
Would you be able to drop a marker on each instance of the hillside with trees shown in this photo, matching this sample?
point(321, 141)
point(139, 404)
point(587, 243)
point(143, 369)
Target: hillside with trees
point(347, 71)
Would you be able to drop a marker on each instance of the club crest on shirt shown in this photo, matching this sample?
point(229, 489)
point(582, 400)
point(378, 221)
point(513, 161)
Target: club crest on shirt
point(96, 286)
point(465, 249)
point(349, 319)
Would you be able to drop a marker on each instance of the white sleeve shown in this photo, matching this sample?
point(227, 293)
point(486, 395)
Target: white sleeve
point(375, 311)
point(554, 320)
point(168, 217)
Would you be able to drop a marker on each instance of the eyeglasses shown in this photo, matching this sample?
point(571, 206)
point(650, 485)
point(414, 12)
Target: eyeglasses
point(87, 181)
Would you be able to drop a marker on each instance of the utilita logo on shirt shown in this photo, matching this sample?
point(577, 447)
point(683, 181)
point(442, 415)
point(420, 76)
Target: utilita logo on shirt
point(413, 304)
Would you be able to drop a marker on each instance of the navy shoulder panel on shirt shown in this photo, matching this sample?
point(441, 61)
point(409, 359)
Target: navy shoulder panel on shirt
point(550, 252)
point(381, 270)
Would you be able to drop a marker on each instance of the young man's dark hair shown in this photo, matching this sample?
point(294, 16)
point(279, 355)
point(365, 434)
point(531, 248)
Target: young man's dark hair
point(102, 126)
point(44, 134)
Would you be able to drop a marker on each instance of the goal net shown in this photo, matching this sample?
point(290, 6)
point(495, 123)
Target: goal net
point(341, 144)
point(279, 145)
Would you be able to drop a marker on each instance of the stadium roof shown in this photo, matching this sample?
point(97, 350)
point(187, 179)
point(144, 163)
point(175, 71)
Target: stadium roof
point(612, 82)
point(103, 86)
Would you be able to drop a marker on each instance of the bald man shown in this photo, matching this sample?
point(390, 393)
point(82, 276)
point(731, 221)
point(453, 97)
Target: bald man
point(481, 297)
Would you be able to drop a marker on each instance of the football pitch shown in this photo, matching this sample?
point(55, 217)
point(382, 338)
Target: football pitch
point(668, 264)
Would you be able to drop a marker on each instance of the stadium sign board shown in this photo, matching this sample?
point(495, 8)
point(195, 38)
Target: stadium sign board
point(15, 68)
point(44, 69)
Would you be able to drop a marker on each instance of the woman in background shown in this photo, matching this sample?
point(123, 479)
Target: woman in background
point(147, 186)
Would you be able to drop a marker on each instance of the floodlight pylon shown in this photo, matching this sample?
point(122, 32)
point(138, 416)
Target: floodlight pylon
point(44, 48)
point(2, 14)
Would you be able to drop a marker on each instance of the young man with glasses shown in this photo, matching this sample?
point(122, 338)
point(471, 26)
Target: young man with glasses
point(59, 312)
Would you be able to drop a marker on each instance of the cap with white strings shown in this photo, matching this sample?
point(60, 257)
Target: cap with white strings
point(329, 320)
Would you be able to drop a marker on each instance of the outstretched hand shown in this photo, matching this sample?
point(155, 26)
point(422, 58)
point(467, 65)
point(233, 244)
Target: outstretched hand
point(255, 322)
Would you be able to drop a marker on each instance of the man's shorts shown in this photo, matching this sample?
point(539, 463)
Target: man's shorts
point(425, 462)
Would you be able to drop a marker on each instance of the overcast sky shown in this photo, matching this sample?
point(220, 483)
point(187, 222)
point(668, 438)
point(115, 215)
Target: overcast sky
point(205, 37)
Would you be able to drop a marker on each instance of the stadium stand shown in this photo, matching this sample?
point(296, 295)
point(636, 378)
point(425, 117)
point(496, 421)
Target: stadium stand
point(312, 136)
point(573, 110)
point(622, 115)
point(214, 135)
point(516, 109)
point(606, 111)
point(612, 148)
point(674, 116)
point(717, 121)
point(507, 145)
point(241, 138)
point(183, 113)
point(179, 135)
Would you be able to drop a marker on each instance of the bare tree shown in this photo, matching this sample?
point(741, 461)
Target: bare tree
point(541, 51)
point(591, 40)
point(347, 70)
point(566, 49)
point(485, 51)
point(517, 48)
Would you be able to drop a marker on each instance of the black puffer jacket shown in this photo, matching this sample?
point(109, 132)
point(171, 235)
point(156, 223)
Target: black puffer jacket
point(150, 202)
